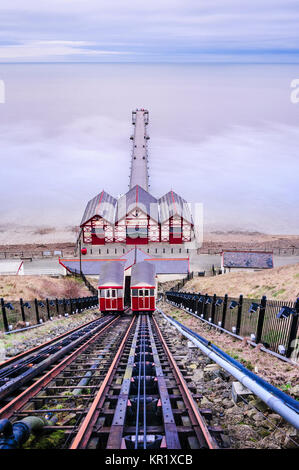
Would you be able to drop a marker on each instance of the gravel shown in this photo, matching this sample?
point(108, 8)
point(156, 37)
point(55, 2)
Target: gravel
point(12, 345)
point(243, 423)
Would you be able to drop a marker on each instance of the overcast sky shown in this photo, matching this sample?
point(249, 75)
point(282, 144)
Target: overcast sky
point(163, 31)
point(224, 131)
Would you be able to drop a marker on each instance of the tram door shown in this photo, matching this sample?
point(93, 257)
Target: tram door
point(111, 299)
point(143, 299)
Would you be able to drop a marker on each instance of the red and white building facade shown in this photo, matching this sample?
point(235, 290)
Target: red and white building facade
point(137, 217)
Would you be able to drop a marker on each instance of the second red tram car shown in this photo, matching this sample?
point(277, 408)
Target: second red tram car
point(111, 287)
point(143, 287)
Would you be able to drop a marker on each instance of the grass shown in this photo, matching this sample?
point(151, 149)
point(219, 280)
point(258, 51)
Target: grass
point(278, 283)
point(41, 287)
point(279, 292)
point(285, 387)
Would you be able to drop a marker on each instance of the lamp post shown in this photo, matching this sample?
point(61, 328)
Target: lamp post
point(80, 254)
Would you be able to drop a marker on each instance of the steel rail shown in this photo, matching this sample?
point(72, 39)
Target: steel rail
point(87, 426)
point(28, 371)
point(28, 352)
point(18, 402)
point(200, 427)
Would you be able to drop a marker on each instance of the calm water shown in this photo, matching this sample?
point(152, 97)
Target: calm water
point(226, 136)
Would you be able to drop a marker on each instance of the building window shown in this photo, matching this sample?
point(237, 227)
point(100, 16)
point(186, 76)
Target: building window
point(107, 251)
point(156, 250)
point(115, 251)
point(137, 232)
point(180, 250)
point(171, 250)
point(91, 251)
point(163, 250)
point(99, 251)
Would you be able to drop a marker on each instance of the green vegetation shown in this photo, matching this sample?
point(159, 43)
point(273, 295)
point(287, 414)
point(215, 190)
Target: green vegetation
point(273, 336)
point(285, 387)
point(280, 291)
point(52, 441)
point(247, 364)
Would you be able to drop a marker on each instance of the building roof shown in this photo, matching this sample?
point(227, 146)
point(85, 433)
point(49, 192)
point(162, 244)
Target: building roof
point(172, 204)
point(95, 266)
point(170, 265)
point(103, 205)
point(143, 273)
point(137, 197)
point(247, 259)
point(112, 273)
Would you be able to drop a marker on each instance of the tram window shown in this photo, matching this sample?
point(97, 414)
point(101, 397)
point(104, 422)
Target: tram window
point(113, 293)
point(107, 294)
point(146, 292)
point(152, 292)
point(102, 293)
point(140, 293)
point(134, 292)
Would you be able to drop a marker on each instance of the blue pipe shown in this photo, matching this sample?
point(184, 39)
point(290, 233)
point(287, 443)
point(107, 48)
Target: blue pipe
point(289, 401)
point(13, 436)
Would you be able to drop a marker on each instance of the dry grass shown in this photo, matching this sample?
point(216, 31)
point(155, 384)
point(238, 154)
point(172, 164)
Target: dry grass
point(279, 283)
point(41, 287)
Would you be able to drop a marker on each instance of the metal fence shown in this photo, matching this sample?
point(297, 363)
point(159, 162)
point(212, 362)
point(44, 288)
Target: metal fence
point(25, 313)
point(270, 322)
point(24, 255)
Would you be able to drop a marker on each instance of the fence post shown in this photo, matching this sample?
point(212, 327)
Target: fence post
point(224, 310)
point(196, 306)
point(22, 310)
point(293, 331)
point(260, 322)
point(36, 311)
point(213, 308)
point(48, 308)
point(5, 322)
point(57, 306)
point(239, 315)
point(205, 306)
point(64, 306)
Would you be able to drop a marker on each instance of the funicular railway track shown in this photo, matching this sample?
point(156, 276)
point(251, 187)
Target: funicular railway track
point(144, 402)
point(120, 389)
point(21, 370)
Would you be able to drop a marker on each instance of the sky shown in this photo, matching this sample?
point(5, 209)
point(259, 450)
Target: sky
point(215, 78)
point(169, 31)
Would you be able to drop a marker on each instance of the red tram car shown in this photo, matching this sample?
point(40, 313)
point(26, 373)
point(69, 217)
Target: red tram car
point(111, 287)
point(143, 287)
